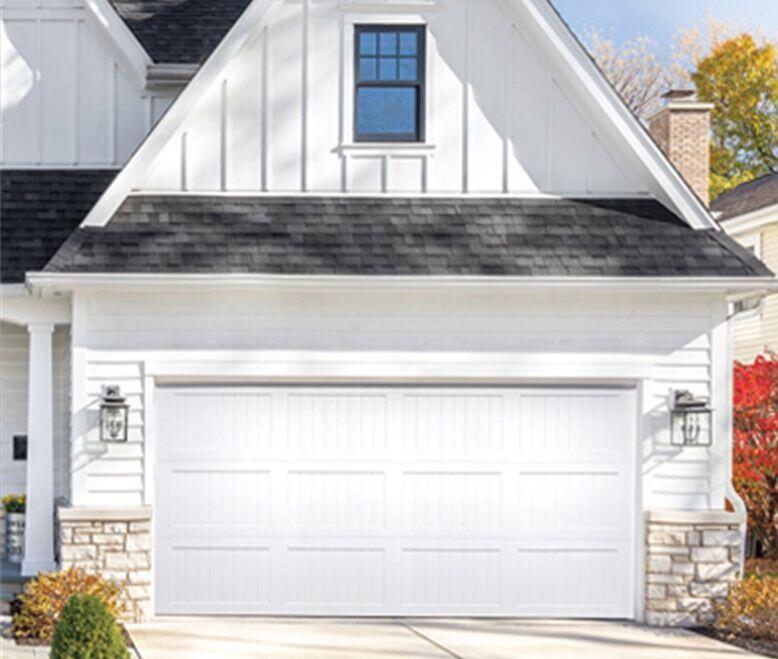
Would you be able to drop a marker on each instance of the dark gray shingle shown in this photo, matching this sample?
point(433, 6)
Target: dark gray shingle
point(39, 209)
point(398, 236)
point(180, 31)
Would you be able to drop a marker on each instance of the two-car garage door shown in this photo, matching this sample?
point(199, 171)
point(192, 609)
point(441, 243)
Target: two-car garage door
point(395, 501)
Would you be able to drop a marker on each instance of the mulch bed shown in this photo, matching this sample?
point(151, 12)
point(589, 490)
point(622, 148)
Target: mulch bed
point(758, 645)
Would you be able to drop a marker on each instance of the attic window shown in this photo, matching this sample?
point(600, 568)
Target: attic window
point(389, 94)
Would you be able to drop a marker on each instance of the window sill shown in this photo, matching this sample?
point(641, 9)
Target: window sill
point(387, 147)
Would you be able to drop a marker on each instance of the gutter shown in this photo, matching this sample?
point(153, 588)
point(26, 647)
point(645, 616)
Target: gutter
point(736, 288)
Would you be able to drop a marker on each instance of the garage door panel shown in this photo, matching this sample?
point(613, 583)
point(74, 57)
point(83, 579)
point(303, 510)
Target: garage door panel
point(349, 424)
point(395, 501)
point(452, 500)
point(336, 499)
point(211, 498)
point(556, 578)
point(566, 499)
point(445, 577)
point(457, 426)
point(221, 423)
point(199, 578)
point(336, 576)
point(570, 425)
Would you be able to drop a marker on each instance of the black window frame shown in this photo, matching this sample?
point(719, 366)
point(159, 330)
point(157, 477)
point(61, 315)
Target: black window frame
point(419, 84)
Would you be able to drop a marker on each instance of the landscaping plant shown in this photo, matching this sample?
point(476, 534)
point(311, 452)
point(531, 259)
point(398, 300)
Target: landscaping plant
point(751, 608)
point(755, 467)
point(14, 503)
point(45, 597)
point(87, 630)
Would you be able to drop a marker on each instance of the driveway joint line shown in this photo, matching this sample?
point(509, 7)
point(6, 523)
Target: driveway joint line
point(429, 640)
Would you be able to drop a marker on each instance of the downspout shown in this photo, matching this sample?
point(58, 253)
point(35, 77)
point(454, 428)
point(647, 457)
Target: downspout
point(731, 492)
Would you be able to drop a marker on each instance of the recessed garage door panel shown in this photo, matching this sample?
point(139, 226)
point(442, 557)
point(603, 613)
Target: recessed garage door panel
point(395, 501)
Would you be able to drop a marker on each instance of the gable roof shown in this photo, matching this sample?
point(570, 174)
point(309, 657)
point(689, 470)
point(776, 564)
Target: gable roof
point(179, 31)
point(182, 234)
point(748, 197)
point(39, 210)
point(545, 20)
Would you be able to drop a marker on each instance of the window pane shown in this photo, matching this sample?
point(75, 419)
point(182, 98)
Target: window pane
point(367, 68)
point(388, 43)
point(368, 43)
point(386, 111)
point(408, 68)
point(387, 68)
point(408, 41)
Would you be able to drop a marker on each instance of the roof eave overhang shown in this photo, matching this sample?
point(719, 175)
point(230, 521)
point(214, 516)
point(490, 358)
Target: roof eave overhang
point(740, 224)
point(734, 288)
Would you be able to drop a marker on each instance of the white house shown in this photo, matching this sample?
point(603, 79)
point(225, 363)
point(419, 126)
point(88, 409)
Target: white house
point(399, 295)
point(749, 214)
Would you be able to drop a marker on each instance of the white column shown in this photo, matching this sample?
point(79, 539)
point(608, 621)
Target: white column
point(39, 518)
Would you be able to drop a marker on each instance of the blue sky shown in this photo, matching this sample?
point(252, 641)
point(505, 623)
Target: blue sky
point(660, 19)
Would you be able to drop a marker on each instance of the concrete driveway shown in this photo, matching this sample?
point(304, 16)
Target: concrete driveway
point(321, 638)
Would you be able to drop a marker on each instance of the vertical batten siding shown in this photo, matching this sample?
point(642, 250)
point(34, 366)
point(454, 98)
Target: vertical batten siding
point(419, 334)
point(67, 100)
point(14, 363)
point(289, 113)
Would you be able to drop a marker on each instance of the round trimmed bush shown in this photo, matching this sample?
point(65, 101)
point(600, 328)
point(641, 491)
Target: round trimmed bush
point(87, 630)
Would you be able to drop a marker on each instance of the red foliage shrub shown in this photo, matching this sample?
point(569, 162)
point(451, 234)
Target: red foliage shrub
point(756, 447)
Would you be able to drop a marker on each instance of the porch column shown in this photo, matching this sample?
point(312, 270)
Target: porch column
point(39, 519)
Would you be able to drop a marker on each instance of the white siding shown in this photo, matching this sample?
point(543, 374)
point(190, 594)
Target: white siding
point(502, 115)
point(66, 99)
point(406, 336)
point(14, 356)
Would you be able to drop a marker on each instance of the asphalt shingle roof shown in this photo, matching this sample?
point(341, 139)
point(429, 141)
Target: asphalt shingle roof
point(748, 197)
point(398, 236)
point(39, 209)
point(180, 31)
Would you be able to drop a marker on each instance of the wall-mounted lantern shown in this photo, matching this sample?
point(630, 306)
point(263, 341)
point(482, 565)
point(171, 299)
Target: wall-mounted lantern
point(114, 412)
point(690, 420)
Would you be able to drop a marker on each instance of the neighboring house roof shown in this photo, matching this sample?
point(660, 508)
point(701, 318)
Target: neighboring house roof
point(748, 197)
point(179, 31)
point(401, 236)
point(39, 209)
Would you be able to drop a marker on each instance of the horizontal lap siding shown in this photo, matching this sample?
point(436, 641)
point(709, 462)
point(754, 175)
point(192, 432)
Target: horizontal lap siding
point(756, 335)
point(414, 332)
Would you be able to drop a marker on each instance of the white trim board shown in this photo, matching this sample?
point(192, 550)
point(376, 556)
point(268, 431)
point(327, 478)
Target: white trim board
point(547, 22)
point(736, 226)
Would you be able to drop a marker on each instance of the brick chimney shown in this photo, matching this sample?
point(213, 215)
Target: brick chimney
point(682, 130)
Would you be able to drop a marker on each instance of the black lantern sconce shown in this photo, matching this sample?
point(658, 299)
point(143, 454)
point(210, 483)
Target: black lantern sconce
point(691, 420)
point(114, 412)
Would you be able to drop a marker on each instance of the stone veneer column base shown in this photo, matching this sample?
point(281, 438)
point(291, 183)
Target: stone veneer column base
point(115, 543)
point(692, 557)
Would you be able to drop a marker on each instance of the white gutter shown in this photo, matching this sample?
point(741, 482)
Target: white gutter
point(736, 288)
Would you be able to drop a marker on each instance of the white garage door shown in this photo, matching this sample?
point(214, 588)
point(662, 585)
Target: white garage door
point(395, 501)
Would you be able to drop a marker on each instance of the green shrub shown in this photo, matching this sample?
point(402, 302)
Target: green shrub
point(45, 596)
point(87, 630)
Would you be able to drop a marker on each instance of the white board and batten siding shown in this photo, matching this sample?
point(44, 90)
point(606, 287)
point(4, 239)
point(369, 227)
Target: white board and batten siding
point(660, 342)
point(14, 351)
point(502, 114)
point(395, 501)
point(69, 99)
